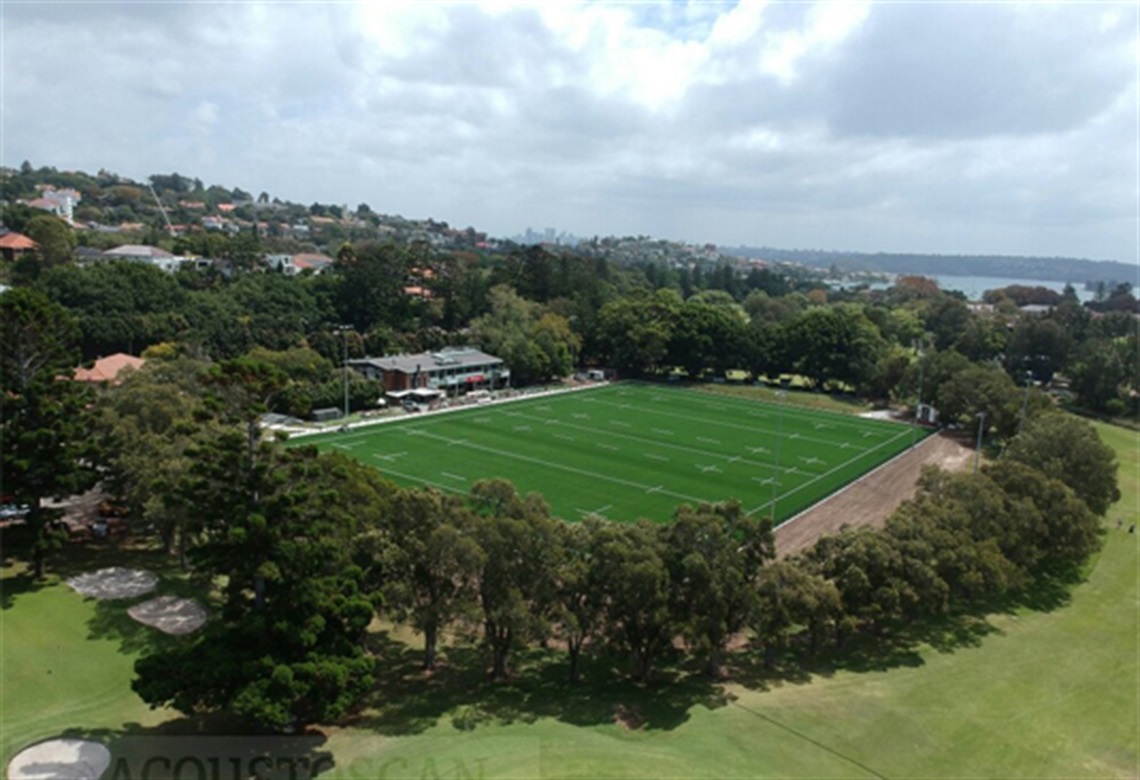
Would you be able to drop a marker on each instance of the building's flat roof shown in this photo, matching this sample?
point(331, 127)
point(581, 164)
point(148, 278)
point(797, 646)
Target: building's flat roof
point(454, 357)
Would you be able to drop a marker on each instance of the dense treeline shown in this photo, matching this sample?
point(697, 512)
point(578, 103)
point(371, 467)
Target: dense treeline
point(548, 313)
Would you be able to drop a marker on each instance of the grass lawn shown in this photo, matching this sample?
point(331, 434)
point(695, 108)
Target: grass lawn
point(633, 450)
point(1032, 693)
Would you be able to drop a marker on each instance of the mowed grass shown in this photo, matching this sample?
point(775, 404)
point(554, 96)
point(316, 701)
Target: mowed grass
point(631, 450)
point(66, 661)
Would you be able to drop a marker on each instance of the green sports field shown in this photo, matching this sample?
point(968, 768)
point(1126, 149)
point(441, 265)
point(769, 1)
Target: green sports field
point(631, 450)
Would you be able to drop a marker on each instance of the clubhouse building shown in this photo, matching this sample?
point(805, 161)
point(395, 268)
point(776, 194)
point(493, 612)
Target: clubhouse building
point(451, 371)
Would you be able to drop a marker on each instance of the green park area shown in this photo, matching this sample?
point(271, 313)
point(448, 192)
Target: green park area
point(1047, 688)
point(633, 450)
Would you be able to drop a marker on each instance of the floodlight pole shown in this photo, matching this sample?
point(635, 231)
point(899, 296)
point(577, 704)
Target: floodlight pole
point(978, 451)
point(344, 336)
point(918, 404)
point(779, 437)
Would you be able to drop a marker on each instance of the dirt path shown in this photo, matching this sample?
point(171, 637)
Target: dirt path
point(872, 499)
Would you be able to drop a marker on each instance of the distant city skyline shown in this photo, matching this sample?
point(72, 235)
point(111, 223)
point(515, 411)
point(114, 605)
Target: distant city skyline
point(1001, 128)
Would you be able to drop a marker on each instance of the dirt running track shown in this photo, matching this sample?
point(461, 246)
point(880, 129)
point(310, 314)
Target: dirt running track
point(872, 499)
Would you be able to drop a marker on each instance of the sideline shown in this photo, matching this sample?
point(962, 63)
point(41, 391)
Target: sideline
point(520, 395)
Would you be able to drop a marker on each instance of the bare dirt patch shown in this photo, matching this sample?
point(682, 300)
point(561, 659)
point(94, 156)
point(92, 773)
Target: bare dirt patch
point(61, 759)
point(873, 498)
point(114, 583)
point(170, 614)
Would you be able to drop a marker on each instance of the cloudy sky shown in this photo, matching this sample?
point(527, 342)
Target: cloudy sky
point(1004, 128)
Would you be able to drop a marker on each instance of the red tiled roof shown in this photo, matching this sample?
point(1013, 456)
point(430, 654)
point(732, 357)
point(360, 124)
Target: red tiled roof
point(107, 369)
point(17, 241)
point(310, 260)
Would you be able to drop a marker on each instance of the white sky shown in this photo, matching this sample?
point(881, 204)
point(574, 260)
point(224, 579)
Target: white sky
point(929, 127)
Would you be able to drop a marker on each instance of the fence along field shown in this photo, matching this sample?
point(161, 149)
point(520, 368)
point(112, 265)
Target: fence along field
point(631, 450)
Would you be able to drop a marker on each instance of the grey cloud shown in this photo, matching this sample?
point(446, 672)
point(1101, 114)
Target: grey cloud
point(953, 71)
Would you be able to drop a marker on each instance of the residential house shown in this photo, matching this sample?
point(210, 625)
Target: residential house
point(13, 245)
point(108, 370)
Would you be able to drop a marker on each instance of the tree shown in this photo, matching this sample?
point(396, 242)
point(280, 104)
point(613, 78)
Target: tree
point(714, 555)
point(834, 343)
point(1068, 449)
point(579, 588)
point(707, 337)
point(876, 584)
point(371, 278)
point(55, 238)
point(287, 648)
point(634, 332)
point(931, 529)
point(44, 417)
point(791, 597)
point(981, 389)
point(429, 576)
point(1100, 371)
point(148, 425)
point(1038, 345)
point(1067, 531)
point(535, 346)
point(638, 617)
point(520, 550)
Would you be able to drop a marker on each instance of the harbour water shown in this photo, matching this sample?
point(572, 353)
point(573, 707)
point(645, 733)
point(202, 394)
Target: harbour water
point(973, 287)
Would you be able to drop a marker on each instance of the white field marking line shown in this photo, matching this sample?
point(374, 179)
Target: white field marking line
point(562, 436)
point(422, 481)
point(767, 481)
point(610, 447)
point(564, 467)
point(818, 477)
point(389, 457)
point(519, 429)
point(662, 431)
point(655, 443)
point(706, 469)
point(622, 423)
point(707, 440)
point(580, 416)
point(654, 489)
point(481, 420)
point(755, 432)
point(552, 421)
point(813, 460)
point(655, 456)
point(855, 482)
point(449, 475)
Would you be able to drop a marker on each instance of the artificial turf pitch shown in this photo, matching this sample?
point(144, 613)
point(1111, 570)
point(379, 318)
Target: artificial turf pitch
point(631, 450)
